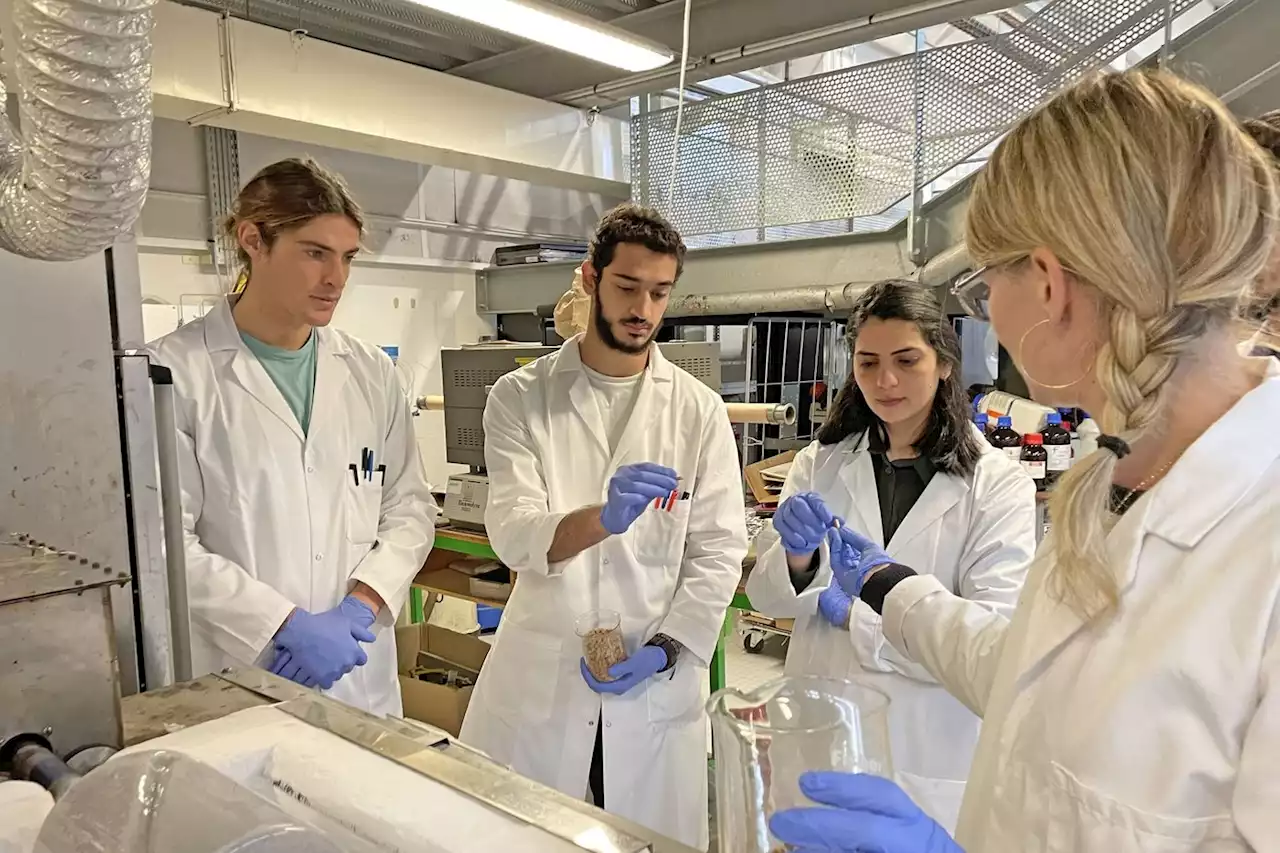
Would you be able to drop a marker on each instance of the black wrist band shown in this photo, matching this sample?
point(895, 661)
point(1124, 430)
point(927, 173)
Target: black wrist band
point(880, 584)
point(668, 645)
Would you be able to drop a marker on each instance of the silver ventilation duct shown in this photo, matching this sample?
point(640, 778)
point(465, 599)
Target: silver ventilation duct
point(827, 299)
point(77, 176)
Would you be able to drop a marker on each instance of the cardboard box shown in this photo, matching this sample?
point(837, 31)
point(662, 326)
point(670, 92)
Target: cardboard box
point(762, 490)
point(425, 646)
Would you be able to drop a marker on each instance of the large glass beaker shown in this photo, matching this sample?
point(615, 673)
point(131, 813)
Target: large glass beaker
point(767, 738)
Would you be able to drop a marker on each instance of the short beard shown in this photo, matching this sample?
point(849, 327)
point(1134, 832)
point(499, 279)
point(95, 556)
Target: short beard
point(605, 330)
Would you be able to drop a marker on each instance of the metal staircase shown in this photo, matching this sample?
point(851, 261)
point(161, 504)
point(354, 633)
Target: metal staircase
point(861, 141)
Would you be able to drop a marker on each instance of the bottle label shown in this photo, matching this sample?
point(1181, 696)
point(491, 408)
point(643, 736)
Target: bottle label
point(1035, 469)
point(1014, 453)
point(1059, 456)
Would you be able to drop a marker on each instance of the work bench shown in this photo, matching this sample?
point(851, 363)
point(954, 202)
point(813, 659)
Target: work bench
point(436, 577)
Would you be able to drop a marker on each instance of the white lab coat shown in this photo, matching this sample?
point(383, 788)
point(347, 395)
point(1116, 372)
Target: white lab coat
point(975, 535)
point(1156, 730)
point(672, 572)
point(274, 520)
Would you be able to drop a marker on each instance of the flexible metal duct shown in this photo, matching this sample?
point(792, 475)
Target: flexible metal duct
point(76, 178)
point(836, 298)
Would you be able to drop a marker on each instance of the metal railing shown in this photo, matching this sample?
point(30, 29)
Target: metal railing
point(790, 360)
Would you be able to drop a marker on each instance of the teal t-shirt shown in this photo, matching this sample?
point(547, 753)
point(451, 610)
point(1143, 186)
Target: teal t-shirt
point(293, 371)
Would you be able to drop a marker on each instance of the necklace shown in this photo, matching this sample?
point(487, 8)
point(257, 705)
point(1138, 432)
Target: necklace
point(1132, 498)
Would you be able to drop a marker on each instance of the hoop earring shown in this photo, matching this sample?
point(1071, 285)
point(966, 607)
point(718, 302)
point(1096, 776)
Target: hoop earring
point(1021, 360)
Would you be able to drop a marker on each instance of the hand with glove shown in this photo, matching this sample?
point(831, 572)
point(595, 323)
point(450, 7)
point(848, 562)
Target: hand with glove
point(317, 649)
point(631, 490)
point(801, 521)
point(635, 670)
point(835, 605)
point(865, 813)
point(853, 557)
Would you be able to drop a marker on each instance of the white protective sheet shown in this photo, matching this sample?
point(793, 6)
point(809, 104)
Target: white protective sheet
point(23, 808)
point(310, 772)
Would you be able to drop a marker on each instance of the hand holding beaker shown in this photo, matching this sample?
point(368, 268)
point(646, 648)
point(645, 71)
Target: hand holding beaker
point(865, 813)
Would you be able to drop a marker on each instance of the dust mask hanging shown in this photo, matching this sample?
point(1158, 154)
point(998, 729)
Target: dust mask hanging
point(573, 311)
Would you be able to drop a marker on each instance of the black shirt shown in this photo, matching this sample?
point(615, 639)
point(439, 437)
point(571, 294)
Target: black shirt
point(1263, 351)
point(899, 483)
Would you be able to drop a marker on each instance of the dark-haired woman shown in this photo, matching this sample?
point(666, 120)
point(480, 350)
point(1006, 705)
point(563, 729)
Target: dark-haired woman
point(899, 460)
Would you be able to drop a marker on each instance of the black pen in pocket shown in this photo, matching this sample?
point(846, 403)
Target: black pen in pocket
point(669, 502)
point(355, 475)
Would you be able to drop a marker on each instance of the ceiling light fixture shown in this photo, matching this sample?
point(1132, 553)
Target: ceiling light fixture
point(561, 30)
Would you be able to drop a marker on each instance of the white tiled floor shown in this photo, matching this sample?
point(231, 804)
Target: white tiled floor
point(747, 671)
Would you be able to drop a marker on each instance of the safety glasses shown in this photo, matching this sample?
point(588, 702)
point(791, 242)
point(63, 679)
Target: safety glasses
point(973, 294)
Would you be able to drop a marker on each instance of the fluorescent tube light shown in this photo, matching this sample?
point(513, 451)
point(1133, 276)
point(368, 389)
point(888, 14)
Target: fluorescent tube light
point(561, 30)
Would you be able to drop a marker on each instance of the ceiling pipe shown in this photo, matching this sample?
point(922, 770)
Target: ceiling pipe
point(944, 266)
point(821, 299)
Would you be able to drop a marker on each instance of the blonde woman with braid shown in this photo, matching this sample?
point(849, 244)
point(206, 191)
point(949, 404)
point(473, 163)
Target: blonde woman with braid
point(1132, 703)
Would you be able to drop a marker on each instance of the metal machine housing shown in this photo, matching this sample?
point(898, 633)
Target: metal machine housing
point(469, 373)
point(59, 677)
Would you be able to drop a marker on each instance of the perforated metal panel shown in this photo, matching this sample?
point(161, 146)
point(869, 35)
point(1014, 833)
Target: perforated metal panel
point(845, 144)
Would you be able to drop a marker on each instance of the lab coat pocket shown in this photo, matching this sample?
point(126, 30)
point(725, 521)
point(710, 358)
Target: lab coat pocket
point(658, 535)
point(521, 676)
point(676, 697)
point(364, 512)
point(1087, 819)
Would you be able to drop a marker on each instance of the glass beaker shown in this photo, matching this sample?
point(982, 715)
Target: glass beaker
point(602, 646)
point(765, 740)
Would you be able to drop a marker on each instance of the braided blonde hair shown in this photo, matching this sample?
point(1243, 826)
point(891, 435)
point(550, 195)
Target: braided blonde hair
point(1148, 191)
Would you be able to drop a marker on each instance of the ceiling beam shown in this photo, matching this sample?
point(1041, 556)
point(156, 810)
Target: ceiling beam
point(1234, 53)
point(726, 36)
point(315, 93)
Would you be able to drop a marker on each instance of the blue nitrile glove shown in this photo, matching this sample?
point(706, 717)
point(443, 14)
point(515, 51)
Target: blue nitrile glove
point(853, 556)
point(358, 612)
point(801, 521)
point(868, 813)
point(631, 490)
point(317, 649)
point(635, 670)
point(835, 605)
point(284, 667)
